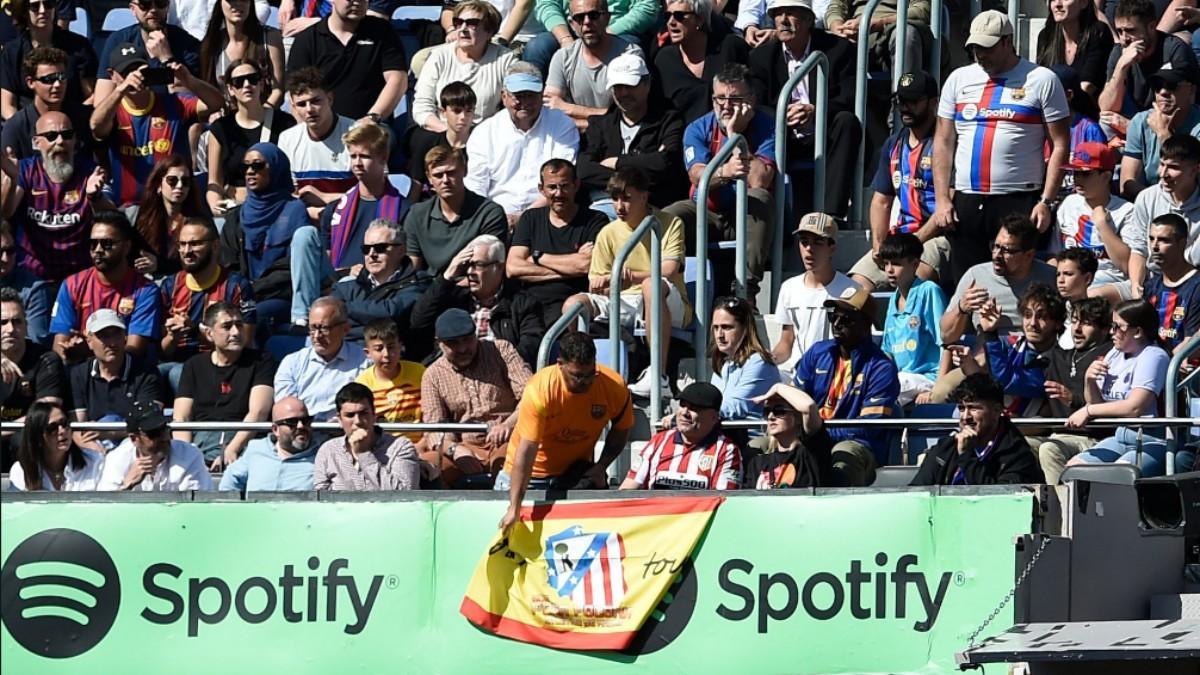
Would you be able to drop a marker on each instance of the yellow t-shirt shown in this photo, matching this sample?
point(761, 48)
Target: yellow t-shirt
point(399, 399)
point(565, 425)
point(615, 234)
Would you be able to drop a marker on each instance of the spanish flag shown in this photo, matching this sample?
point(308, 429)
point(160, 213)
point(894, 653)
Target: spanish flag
point(584, 575)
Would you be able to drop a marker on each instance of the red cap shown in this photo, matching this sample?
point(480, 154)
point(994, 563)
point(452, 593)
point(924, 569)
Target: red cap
point(1092, 156)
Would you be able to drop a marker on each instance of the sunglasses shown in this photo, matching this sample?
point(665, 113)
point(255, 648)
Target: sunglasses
point(838, 316)
point(176, 181)
point(239, 81)
point(293, 422)
point(53, 136)
point(145, 5)
point(55, 427)
point(8, 250)
point(52, 78)
point(680, 16)
point(473, 23)
point(595, 15)
point(38, 5)
point(377, 249)
point(777, 411)
point(256, 166)
point(1006, 250)
point(105, 244)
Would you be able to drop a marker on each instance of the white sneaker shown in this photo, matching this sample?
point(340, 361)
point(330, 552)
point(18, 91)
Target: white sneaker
point(641, 388)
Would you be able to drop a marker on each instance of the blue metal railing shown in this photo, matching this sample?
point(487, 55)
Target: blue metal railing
point(702, 300)
point(1177, 436)
point(570, 314)
point(649, 225)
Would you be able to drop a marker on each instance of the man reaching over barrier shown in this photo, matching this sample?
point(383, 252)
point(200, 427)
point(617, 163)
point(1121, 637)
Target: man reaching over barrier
point(561, 415)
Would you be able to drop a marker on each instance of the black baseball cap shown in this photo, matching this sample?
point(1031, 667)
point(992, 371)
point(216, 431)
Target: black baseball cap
point(917, 84)
point(453, 324)
point(145, 416)
point(701, 395)
point(1171, 77)
point(126, 57)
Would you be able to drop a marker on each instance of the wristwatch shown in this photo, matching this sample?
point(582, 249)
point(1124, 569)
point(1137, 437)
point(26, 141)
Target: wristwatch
point(1048, 203)
point(374, 117)
point(537, 257)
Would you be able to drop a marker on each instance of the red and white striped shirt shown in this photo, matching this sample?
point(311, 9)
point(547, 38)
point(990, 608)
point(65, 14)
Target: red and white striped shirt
point(669, 462)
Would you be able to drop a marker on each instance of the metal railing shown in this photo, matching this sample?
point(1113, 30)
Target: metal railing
point(935, 27)
point(860, 107)
point(1177, 436)
point(900, 54)
point(952, 423)
point(700, 339)
point(819, 61)
point(649, 225)
point(451, 427)
point(558, 329)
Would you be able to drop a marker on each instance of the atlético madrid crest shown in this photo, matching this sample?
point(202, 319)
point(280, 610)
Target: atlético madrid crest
point(586, 567)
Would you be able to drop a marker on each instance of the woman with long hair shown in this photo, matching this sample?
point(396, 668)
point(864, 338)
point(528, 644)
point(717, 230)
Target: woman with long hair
point(48, 458)
point(168, 198)
point(247, 120)
point(235, 34)
point(799, 451)
point(1127, 383)
point(1075, 36)
point(742, 366)
point(36, 24)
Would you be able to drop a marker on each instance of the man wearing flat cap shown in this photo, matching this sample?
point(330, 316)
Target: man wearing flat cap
point(850, 377)
point(150, 461)
point(695, 455)
point(472, 381)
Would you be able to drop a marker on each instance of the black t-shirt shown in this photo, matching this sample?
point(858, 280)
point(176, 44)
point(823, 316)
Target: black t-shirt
point(42, 376)
point(808, 465)
point(222, 393)
point(90, 393)
point(81, 63)
point(235, 140)
point(535, 232)
point(1090, 63)
point(1138, 96)
point(354, 70)
point(690, 95)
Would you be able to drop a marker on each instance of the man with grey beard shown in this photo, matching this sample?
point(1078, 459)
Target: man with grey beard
point(281, 462)
point(51, 199)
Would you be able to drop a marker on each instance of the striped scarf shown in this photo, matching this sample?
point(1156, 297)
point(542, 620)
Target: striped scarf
point(341, 226)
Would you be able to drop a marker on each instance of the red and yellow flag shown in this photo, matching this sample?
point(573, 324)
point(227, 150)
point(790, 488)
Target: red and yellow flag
point(584, 575)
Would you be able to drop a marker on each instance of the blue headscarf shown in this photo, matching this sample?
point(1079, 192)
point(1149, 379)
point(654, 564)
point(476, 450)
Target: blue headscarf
point(270, 218)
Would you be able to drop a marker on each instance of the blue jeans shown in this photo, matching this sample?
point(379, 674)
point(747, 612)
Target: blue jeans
point(171, 372)
point(1122, 447)
point(310, 268)
point(1196, 43)
point(540, 50)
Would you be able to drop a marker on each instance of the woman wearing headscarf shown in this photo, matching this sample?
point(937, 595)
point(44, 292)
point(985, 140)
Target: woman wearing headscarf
point(257, 236)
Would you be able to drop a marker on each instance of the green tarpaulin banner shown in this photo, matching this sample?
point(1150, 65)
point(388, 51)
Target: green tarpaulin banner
point(890, 582)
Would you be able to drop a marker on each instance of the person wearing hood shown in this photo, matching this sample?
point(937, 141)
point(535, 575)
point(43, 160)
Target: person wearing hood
point(259, 236)
point(499, 312)
point(387, 286)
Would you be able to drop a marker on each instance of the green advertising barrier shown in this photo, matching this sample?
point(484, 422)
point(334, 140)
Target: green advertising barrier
point(827, 584)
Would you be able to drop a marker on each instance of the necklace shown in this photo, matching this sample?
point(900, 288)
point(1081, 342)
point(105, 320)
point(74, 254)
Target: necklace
point(1074, 361)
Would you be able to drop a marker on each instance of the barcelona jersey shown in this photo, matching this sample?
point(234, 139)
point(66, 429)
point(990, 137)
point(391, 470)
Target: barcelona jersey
point(135, 298)
point(1178, 307)
point(181, 295)
point(141, 137)
point(53, 220)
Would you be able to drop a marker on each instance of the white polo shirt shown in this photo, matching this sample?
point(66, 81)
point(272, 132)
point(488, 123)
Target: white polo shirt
point(504, 163)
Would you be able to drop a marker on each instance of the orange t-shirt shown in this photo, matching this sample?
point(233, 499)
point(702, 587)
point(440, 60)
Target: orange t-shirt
point(565, 425)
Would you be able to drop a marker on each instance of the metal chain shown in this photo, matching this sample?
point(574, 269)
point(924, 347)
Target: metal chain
point(1011, 594)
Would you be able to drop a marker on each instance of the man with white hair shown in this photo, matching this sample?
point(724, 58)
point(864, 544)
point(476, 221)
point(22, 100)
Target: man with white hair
point(506, 151)
point(500, 312)
point(388, 285)
point(316, 373)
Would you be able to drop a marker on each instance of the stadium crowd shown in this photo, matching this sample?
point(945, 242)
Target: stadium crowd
point(209, 218)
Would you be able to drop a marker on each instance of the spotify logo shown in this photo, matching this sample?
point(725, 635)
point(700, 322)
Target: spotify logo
point(59, 593)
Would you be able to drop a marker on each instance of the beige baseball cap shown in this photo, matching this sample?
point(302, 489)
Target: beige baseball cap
point(988, 28)
point(821, 224)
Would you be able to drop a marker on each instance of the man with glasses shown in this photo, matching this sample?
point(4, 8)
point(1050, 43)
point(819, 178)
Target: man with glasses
point(563, 412)
point(316, 373)
point(149, 460)
point(987, 449)
point(850, 377)
point(110, 283)
point(577, 82)
point(506, 151)
point(628, 19)
point(36, 19)
point(733, 112)
point(800, 309)
point(143, 125)
point(388, 285)
point(360, 57)
point(281, 462)
point(994, 119)
point(499, 310)
point(51, 198)
point(188, 294)
point(1174, 111)
point(1001, 282)
point(229, 383)
point(163, 44)
point(44, 72)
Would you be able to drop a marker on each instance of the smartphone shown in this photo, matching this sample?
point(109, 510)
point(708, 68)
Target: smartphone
point(158, 77)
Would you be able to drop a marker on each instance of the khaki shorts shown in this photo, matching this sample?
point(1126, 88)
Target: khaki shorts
point(936, 254)
point(632, 315)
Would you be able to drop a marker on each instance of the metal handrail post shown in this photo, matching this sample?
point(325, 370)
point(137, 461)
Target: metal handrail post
point(702, 299)
point(976, 8)
point(900, 55)
point(557, 329)
point(1014, 14)
point(935, 25)
point(860, 107)
point(1176, 436)
point(819, 61)
point(739, 258)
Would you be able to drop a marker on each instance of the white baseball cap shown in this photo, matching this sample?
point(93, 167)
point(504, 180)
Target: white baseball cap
point(627, 69)
point(988, 28)
point(104, 318)
point(781, 4)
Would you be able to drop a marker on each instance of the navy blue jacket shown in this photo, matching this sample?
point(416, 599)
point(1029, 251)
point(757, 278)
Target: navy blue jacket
point(394, 298)
point(874, 388)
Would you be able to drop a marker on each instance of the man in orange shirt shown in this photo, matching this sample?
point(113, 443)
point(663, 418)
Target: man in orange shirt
point(562, 413)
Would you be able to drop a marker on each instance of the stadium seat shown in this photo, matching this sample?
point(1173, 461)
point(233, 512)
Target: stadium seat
point(894, 476)
point(273, 18)
point(427, 13)
point(920, 440)
point(280, 346)
point(401, 182)
point(118, 18)
point(1113, 474)
point(82, 23)
point(604, 348)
